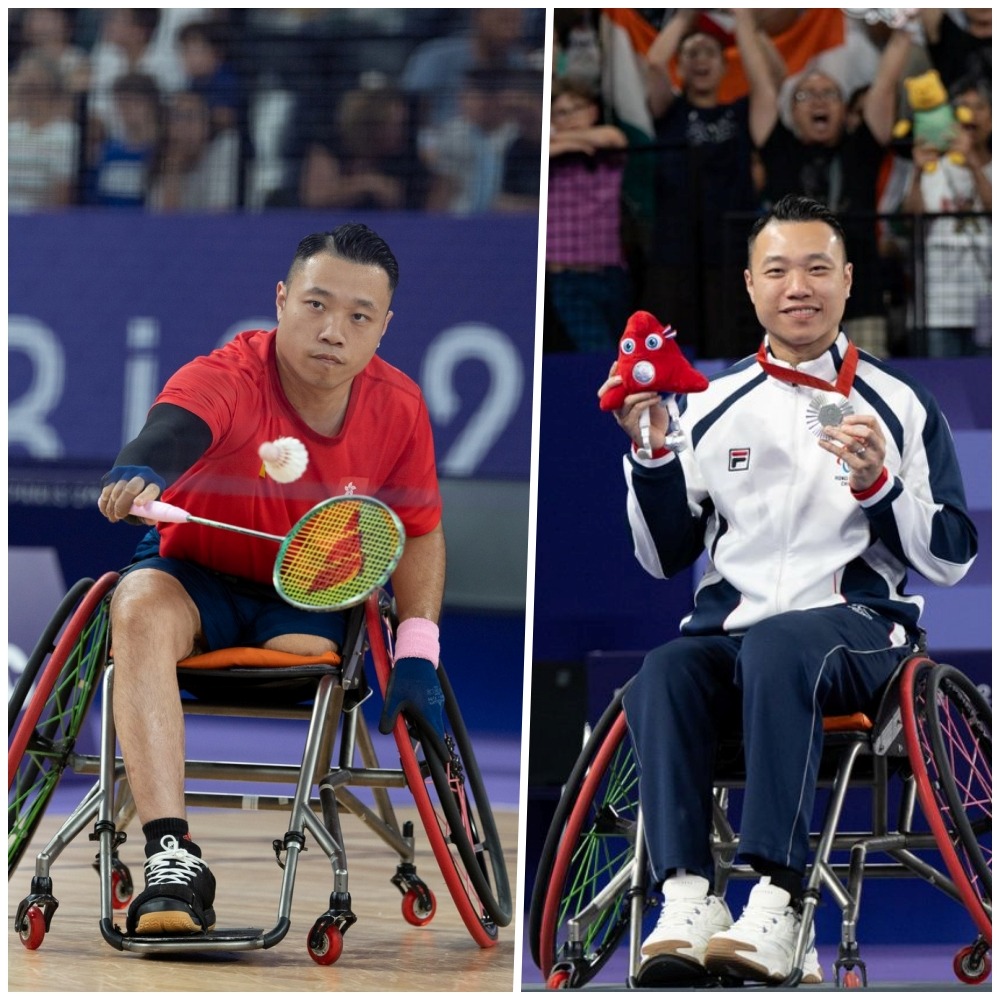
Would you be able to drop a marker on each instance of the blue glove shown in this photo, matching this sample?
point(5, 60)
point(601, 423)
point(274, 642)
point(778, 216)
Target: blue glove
point(414, 688)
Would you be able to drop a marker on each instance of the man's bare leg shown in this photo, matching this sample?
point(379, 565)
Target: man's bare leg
point(153, 625)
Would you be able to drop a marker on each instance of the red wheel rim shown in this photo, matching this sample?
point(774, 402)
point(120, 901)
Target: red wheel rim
point(567, 843)
point(929, 804)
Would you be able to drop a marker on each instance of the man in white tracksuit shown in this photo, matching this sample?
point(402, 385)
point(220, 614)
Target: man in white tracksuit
point(814, 479)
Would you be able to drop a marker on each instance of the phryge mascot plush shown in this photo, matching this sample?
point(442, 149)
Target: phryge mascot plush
point(650, 360)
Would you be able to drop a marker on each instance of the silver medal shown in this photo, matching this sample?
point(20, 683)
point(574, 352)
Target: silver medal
point(826, 409)
point(676, 439)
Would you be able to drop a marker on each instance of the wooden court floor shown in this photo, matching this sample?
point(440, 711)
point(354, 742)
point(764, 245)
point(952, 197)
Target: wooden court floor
point(381, 951)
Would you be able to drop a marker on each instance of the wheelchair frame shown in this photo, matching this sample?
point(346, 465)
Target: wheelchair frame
point(592, 884)
point(449, 793)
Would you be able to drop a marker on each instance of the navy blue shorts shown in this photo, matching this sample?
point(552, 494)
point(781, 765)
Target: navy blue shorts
point(236, 612)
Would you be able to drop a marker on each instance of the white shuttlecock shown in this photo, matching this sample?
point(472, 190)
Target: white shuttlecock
point(284, 459)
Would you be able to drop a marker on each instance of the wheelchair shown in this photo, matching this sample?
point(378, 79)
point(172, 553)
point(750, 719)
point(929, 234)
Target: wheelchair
point(73, 658)
point(926, 759)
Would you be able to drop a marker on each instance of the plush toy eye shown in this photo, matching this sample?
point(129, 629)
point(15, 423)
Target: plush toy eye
point(654, 342)
point(627, 346)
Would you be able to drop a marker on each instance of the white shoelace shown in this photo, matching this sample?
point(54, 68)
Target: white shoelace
point(766, 921)
point(173, 866)
point(680, 910)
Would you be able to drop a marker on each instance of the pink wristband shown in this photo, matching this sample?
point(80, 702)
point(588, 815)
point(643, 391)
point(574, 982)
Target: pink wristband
point(418, 637)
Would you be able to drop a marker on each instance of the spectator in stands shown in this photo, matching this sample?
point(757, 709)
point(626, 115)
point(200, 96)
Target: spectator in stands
point(959, 42)
point(586, 278)
point(207, 70)
point(815, 155)
point(958, 262)
point(521, 181)
point(49, 32)
point(465, 154)
point(134, 40)
point(366, 156)
point(577, 46)
point(42, 139)
point(121, 173)
point(436, 70)
point(197, 169)
point(782, 27)
point(702, 173)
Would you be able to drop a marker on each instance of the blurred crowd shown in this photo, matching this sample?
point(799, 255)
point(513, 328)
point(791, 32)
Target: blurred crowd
point(204, 109)
point(670, 130)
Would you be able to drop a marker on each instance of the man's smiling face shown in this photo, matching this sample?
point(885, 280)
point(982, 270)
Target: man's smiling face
point(799, 281)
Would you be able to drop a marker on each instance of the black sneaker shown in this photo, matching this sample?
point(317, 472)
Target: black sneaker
point(178, 896)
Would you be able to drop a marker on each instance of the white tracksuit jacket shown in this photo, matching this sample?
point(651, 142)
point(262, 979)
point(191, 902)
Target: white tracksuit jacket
point(782, 529)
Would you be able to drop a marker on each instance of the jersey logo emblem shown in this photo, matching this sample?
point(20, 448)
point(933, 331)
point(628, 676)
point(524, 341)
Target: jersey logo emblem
point(739, 459)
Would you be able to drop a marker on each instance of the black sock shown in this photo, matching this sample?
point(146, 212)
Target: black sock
point(155, 830)
point(784, 878)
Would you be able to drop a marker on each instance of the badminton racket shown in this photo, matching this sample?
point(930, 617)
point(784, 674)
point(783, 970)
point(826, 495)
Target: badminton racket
point(334, 556)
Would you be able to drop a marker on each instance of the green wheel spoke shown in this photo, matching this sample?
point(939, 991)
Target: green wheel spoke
point(45, 749)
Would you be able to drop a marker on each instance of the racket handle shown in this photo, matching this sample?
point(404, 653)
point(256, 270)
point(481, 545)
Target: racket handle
point(157, 510)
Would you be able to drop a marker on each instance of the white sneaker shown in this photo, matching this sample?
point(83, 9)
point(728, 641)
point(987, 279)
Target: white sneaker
point(675, 950)
point(760, 946)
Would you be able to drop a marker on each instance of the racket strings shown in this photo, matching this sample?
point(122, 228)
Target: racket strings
point(338, 555)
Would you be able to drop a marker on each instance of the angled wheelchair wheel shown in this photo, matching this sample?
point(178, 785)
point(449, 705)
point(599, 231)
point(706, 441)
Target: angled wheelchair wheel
point(948, 728)
point(580, 901)
point(451, 799)
point(53, 713)
point(43, 648)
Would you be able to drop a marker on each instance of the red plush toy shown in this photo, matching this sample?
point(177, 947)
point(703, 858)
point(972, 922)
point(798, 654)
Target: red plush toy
point(649, 360)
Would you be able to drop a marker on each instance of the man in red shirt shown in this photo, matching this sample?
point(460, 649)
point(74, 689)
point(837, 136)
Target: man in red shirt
point(365, 426)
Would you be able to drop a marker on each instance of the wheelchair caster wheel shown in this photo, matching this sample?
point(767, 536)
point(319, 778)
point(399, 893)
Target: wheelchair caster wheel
point(851, 981)
point(972, 965)
point(419, 907)
point(121, 888)
point(560, 978)
point(32, 928)
point(325, 944)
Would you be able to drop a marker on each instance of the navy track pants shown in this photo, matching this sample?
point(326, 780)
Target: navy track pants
point(775, 683)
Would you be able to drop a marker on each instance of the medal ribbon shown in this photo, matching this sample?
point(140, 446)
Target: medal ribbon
point(845, 377)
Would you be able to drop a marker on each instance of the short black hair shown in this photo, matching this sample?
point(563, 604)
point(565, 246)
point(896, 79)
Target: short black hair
point(796, 208)
point(147, 18)
point(212, 33)
point(971, 81)
point(575, 87)
point(137, 84)
point(352, 241)
point(701, 30)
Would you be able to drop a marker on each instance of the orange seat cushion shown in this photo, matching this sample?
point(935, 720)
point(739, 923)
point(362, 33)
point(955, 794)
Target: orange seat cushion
point(253, 656)
point(847, 723)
